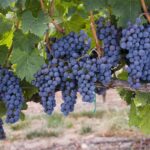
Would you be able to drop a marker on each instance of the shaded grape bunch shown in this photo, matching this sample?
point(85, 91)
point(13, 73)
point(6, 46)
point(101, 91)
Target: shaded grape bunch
point(2, 132)
point(136, 40)
point(11, 94)
point(109, 35)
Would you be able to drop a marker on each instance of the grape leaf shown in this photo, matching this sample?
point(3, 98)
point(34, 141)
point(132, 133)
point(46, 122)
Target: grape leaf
point(29, 90)
point(5, 26)
point(24, 42)
point(33, 6)
point(134, 119)
point(71, 25)
point(94, 4)
point(126, 10)
point(123, 75)
point(2, 109)
point(142, 99)
point(28, 63)
point(145, 119)
point(7, 39)
point(140, 117)
point(6, 3)
point(37, 25)
point(126, 95)
point(3, 54)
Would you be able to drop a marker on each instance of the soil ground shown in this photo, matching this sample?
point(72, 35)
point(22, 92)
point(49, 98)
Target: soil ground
point(86, 129)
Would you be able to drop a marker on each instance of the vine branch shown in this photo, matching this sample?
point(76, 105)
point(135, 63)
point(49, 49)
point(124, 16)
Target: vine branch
point(145, 87)
point(51, 9)
point(145, 10)
point(92, 23)
point(42, 5)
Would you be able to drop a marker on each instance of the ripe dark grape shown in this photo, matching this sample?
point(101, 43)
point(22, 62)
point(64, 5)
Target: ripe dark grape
point(109, 35)
point(2, 132)
point(136, 40)
point(11, 94)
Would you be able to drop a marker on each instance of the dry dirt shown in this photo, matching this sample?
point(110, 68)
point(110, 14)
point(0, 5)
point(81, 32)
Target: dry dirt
point(108, 131)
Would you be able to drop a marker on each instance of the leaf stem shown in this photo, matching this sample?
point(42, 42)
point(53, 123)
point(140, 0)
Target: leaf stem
point(145, 10)
point(92, 23)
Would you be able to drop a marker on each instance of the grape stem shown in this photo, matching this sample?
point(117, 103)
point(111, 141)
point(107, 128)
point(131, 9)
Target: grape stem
point(92, 23)
point(145, 87)
point(47, 41)
point(51, 9)
point(145, 10)
point(42, 5)
point(51, 12)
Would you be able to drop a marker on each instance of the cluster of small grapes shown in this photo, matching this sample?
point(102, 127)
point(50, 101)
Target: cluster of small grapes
point(46, 80)
point(86, 77)
point(2, 132)
point(11, 94)
point(69, 94)
point(109, 35)
point(136, 40)
point(71, 45)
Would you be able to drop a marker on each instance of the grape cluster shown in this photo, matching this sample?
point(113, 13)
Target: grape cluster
point(136, 40)
point(86, 77)
point(2, 133)
point(71, 45)
point(69, 94)
point(11, 94)
point(46, 80)
point(109, 35)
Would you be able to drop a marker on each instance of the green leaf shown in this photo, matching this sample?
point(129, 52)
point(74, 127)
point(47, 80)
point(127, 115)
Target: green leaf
point(94, 4)
point(28, 89)
point(123, 75)
point(5, 26)
point(37, 25)
point(140, 117)
point(24, 42)
point(2, 109)
point(33, 6)
point(7, 39)
point(126, 10)
point(134, 119)
point(28, 63)
point(142, 99)
point(6, 3)
point(145, 119)
point(126, 95)
point(22, 116)
point(3, 54)
point(76, 23)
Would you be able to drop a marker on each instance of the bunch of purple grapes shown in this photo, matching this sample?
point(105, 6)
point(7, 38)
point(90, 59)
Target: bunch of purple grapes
point(11, 94)
point(47, 79)
point(109, 35)
point(136, 40)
